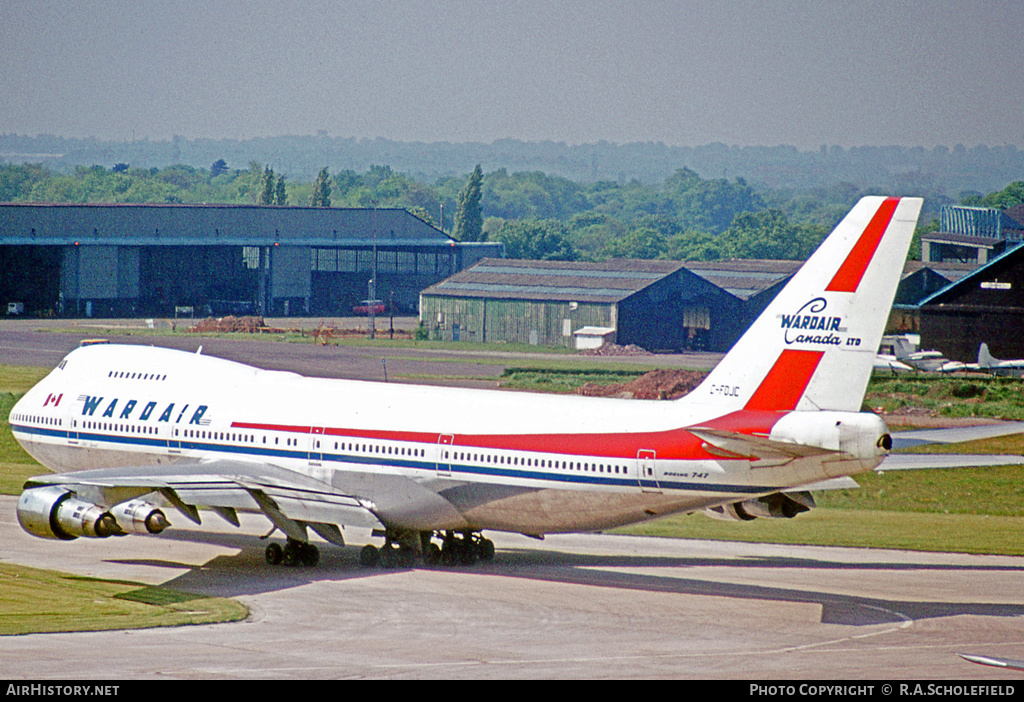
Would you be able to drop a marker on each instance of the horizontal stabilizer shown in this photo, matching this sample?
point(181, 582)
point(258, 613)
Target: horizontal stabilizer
point(736, 445)
point(939, 461)
point(954, 435)
point(844, 483)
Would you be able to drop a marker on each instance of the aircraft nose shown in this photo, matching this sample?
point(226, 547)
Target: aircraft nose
point(34, 399)
point(18, 407)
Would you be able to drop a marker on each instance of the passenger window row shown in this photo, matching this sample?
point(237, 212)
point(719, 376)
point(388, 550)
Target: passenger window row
point(355, 448)
point(127, 375)
point(514, 460)
point(110, 426)
point(36, 419)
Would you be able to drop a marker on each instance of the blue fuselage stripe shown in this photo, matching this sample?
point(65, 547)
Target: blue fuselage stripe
point(389, 461)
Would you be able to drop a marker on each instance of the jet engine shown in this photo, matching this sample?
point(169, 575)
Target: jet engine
point(778, 505)
point(53, 512)
point(139, 517)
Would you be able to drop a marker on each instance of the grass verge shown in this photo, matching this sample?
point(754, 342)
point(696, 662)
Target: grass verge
point(16, 466)
point(856, 528)
point(42, 601)
point(35, 601)
point(999, 398)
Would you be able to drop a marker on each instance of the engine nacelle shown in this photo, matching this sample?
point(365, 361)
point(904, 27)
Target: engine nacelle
point(53, 512)
point(139, 517)
point(778, 505)
point(733, 512)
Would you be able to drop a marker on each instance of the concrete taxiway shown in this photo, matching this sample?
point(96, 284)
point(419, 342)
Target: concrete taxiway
point(580, 606)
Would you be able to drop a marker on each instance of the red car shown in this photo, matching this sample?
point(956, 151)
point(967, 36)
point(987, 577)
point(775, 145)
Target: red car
point(369, 307)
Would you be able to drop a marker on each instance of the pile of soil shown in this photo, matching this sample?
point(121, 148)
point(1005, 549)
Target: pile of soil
point(324, 335)
point(250, 325)
point(616, 350)
point(655, 385)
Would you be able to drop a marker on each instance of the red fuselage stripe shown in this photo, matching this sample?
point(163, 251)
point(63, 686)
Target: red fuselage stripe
point(785, 383)
point(849, 275)
point(676, 444)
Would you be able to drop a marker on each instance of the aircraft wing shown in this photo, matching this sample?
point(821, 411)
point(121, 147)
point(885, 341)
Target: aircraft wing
point(884, 362)
point(289, 499)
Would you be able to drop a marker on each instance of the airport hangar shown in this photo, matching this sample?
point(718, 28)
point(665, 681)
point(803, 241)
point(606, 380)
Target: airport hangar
point(656, 305)
point(984, 306)
point(664, 305)
point(127, 260)
point(978, 249)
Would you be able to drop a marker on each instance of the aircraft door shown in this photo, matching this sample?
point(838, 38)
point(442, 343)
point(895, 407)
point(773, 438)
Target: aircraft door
point(444, 454)
point(173, 441)
point(646, 470)
point(316, 450)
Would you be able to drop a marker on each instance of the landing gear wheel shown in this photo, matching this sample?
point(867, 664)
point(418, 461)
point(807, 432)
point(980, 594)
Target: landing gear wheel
point(369, 556)
point(432, 555)
point(467, 552)
point(274, 554)
point(387, 556)
point(406, 557)
point(403, 549)
point(309, 554)
point(293, 553)
point(485, 549)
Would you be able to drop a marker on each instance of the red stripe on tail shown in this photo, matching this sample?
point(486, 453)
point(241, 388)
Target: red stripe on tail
point(848, 277)
point(785, 383)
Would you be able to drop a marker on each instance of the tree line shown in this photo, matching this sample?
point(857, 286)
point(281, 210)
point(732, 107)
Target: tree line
point(536, 215)
point(942, 171)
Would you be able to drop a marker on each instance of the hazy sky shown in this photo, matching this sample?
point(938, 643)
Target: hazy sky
point(745, 72)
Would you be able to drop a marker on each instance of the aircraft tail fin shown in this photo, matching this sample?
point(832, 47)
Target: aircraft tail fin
point(814, 346)
point(902, 348)
point(985, 359)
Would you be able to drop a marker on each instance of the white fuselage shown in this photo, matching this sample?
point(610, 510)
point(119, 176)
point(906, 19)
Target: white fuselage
point(501, 460)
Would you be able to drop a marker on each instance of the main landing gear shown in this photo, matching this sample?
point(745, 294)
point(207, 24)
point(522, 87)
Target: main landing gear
point(403, 550)
point(294, 553)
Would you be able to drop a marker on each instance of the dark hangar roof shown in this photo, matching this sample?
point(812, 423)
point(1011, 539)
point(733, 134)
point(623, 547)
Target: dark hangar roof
point(950, 270)
point(607, 282)
point(744, 278)
point(1009, 259)
point(986, 242)
point(238, 225)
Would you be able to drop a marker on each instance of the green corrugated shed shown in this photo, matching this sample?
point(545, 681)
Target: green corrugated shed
point(649, 303)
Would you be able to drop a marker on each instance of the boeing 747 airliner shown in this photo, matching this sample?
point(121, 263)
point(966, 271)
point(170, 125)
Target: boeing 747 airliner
point(134, 432)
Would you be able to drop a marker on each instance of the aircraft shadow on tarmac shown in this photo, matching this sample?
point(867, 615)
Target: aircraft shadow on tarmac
point(247, 573)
